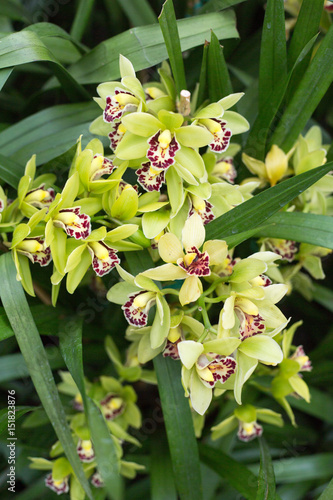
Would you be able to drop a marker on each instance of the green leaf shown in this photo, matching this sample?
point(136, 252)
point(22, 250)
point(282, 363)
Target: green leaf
point(303, 227)
point(263, 123)
point(176, 412)
point(216, 5)
point(105, 450)
point(25, 47)
point(236, 474)
point(10, 171)
point(294, 469)
point(13, 366)
point(168, 24)
point(327, 494)
point(47, 133)
point(273, 52)
point(266, 479)
point(307, 26)
point(82, 18)
point(19, 412)
point(219, 84)
point(202, 92)
point(161, 476)
point(179, 428)
point(258, 209)
point(15, 11)
point(316, 81)
point(4, 75)
point(32, 349)
point(139, 12)
point(144, 46)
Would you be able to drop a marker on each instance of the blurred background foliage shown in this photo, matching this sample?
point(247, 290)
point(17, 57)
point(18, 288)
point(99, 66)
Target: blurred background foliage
point(39, 114)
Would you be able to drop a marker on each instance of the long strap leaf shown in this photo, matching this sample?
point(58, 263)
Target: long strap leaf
point(273, 55)
point(179, 427)
point(104, 447)
point(261, 207)
point(327, 494)
point(236, 474)
point(167, 20)
point(29, 341)
point(145, 46)
point(219, 83)
point(25, 47)
point(305, 228)
point(266, 479)
point(176, 412)
point(317, 79)
point(306, 27)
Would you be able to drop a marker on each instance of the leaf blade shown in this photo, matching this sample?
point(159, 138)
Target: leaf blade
point(167, 20)
point(106, 456)
point(261, 207)
point(31, 346)
point(266, 479)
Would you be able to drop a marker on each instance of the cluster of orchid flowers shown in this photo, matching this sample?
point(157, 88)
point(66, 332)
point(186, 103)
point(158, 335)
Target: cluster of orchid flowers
point(100, 214)
point(117, 403)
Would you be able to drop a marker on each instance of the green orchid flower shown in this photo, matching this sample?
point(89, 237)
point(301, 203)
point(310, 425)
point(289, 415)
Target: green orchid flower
point(289, 381)
point(137, 295)
point(33, 194)
point(191, 264)
point(273, 169)
point(98, 250)
point(92, 165)
point(222, 124)
point(165, 142)
point(29, 243)
point(206, 365)
point(245, 419)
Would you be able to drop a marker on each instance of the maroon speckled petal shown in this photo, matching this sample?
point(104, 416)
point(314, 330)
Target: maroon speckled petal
point(80, 228)
point(221, 139)
point(199, 266)
point(222, 367)
point(162, 158)
point(207, 214)
point(249, 325)
point(147, 180)
point(113, 110)
point(104, 266)
point(63, 487)
point(115, 136)
point(106, 168)
point(247, 436)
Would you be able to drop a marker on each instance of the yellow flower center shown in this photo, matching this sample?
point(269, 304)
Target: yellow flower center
point(121, 129)
point(154, 92)
point(165, 139)
point(68, 218)
point(124, 99)
point(153, 171)
point(141, 300)
point(189, 258)
point(248, 427)
point(198, 203)
point(99, 250)
point(115, 403)
point(213, 126)
point(38, 195)
point(86, 445)
point(206, 374)
point(302, 360)
point(31, 246)
point(174, 334)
